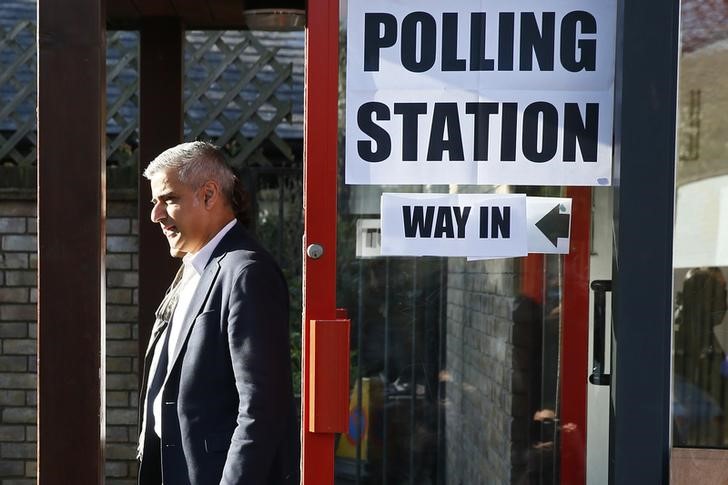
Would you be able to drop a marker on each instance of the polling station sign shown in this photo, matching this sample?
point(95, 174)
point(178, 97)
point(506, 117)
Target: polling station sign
point(453, 225)
point(490, 92)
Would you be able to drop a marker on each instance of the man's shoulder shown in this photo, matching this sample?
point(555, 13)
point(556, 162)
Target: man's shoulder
point(252, 267)
point(241, 250)
point(236, 259)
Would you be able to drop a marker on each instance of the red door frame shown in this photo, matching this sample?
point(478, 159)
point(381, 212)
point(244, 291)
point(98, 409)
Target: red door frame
point(575, 341)
point(319, 280)
point(574, 335)
point(319, 208)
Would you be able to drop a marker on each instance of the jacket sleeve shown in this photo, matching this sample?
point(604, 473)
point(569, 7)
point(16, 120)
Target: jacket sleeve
point(258, 341)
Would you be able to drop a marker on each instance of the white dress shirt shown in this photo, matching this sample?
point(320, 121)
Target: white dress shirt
point(194, 265)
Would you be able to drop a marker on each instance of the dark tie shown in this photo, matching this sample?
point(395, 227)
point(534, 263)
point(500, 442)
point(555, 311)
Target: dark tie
point(156, 385)
point(166, 308)
point(164, 320)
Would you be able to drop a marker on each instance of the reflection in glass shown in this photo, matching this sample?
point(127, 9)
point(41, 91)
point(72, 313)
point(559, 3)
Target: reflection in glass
point(700, 366)
point(700, 370)
point(454, 365)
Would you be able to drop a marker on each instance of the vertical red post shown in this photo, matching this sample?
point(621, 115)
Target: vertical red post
point(575, 340)
point(319, 204)
point(532, 277)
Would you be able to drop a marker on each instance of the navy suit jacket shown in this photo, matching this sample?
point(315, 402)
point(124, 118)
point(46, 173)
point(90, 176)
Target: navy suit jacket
point(228, 413)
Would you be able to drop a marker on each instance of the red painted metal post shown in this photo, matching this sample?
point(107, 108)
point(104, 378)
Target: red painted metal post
point(319, 203)
point(532, 277)
point(575, 341)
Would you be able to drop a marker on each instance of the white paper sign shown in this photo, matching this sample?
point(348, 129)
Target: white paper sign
point(453, 225)
point(549, 225)
point(368, 238)
point(490, 92)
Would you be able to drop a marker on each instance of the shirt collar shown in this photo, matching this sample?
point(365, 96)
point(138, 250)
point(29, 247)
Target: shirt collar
point(200, 259)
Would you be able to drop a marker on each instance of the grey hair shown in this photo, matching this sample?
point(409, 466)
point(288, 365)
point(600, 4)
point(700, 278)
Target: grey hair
point(195, 163)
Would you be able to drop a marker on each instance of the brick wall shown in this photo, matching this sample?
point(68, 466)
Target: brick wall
point(18, 262)
point(483, 392)
point(17, 343)
point(121, 342)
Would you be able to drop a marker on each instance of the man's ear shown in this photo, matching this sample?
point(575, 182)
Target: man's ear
point(210, 193)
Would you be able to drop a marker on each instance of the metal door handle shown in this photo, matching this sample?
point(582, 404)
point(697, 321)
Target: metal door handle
point(329, 382)
point(600, 288)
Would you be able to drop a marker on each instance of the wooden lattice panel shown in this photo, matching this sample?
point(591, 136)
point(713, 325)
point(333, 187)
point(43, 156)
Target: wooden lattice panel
point(232, 98)
point(231, 85)
point(122, 80)
point(17, 103)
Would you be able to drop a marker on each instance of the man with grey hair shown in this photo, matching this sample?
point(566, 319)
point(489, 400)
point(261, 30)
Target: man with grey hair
point(216, 404)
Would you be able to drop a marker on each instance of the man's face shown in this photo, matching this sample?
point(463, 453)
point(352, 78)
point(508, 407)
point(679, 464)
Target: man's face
point(180, 212)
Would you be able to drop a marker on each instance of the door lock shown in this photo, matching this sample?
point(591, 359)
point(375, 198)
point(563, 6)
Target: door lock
point(314, 251)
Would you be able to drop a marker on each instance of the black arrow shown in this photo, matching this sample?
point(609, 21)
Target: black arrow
point(554, 225)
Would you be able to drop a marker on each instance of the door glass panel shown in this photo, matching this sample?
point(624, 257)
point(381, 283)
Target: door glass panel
point(700, 371)
point(455, 365)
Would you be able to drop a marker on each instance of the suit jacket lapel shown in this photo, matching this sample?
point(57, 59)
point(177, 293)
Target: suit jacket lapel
point(207, 279)
point(230, 241)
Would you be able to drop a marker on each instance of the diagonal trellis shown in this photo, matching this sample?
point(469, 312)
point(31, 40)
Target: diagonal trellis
point(236, 87)
point(237, 94)
point(17, 97)
point(122, 126)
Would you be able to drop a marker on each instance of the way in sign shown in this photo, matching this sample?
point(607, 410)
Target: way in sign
point(450, 221)
point(454, 225)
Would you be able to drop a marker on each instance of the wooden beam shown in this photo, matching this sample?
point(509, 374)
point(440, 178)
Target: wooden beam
point(195, 14)
point(227, 12)
point(122, 9)
point(121, 13)
point(160, 127)
point(155, 8)
point(194, 9)
point(71, 245)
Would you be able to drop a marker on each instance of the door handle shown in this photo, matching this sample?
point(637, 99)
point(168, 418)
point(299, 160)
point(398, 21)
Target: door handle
point(600, 288)
point(328, 391)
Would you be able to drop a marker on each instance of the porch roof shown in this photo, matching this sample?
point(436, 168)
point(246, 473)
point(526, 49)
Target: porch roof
point(195, 14)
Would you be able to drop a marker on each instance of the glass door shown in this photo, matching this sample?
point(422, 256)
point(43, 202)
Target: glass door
point(700, 330)
point(459, 371)
point(463, 371)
